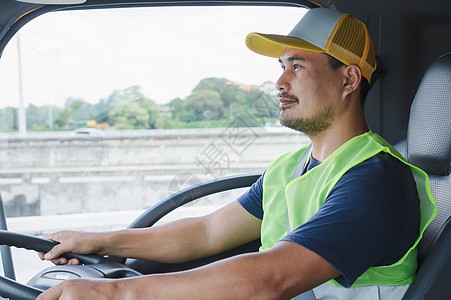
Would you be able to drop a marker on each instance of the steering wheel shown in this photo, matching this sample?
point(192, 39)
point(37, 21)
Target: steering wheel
point(95, 266)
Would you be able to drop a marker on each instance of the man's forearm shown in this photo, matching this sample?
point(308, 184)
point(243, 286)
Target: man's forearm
point(242, 277)
point(174, 242)
point(187, 239)
point(280, 273)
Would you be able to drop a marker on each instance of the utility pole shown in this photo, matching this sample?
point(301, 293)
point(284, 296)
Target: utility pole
point(21, 115)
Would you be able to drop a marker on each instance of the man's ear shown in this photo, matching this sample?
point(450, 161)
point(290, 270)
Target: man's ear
point(353, 76)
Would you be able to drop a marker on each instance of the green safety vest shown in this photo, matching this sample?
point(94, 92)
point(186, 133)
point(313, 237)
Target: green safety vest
point(300, 198)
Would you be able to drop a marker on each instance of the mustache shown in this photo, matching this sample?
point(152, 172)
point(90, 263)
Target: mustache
point(287, 96)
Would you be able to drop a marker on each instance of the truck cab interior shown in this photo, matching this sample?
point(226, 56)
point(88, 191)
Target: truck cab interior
point(409, 105)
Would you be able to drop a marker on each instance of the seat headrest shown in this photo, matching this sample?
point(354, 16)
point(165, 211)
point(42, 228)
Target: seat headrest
point(429, 132)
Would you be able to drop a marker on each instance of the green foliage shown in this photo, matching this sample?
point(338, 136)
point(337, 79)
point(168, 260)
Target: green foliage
point(168, 123)
point(201, 105)
point(129, 116)
point(38, 117)
point(62, 120)
point(8, 119)
point(214, 102)
point(130, 109)
point(219, 99)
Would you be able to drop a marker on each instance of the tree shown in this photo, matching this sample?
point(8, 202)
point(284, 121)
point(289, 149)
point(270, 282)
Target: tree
point(202, 105)
point(152, 110)
point(61, 119)
point(130, 109)
point(129, 94)
point(235, 97)
point(129, 115)
point(8, 119)
point(65, 118)
point(37, 117)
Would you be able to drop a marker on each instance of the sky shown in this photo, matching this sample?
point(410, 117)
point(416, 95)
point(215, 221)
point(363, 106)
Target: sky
point(166, 51)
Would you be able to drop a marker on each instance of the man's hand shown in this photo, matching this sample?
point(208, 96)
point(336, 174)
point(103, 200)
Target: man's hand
point(82, 289)
point(75, 242)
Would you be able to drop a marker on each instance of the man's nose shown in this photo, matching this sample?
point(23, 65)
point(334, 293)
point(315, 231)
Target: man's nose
point(282, 83)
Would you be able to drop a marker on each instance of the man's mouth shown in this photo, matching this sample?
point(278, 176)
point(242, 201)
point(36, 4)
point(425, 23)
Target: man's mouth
point(286, 99)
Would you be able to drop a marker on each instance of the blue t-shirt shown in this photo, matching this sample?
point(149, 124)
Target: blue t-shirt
point(370, 218)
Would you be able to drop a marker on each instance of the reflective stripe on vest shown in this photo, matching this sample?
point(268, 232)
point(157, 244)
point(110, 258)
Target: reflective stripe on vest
point(309, 295)
point(298, 172)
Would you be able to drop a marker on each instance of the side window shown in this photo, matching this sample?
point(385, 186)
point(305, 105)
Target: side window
point(107, 112)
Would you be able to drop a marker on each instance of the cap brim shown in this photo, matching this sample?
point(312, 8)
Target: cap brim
point(272, 44)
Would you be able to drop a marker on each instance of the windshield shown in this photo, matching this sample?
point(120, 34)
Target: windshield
point(106, 112)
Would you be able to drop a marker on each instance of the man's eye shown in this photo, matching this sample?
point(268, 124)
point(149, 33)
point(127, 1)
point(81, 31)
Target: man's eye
point(295, 66)
point(283, 68)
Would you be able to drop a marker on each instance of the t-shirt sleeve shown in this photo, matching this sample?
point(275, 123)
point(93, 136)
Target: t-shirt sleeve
point(252, 199)
point(368, 219)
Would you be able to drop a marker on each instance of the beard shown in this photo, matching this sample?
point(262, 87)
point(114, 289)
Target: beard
point(310, 126)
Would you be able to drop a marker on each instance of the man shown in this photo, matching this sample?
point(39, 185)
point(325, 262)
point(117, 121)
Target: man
point(340, 219)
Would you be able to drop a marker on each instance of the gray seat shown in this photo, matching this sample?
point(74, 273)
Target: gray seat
point(429, 148)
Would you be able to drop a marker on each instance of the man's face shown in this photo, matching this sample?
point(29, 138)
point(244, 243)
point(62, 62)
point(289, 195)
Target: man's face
point(309, 91)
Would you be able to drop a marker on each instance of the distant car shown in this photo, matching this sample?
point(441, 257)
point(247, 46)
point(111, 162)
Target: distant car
point(87, 132)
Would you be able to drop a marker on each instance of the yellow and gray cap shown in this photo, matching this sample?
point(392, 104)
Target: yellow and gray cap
point(323, 30)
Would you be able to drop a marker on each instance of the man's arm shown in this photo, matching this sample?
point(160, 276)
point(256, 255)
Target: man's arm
point(282, 272)
point(174, 242)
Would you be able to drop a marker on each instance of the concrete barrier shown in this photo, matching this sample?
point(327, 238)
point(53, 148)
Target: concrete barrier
point(59, 173)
